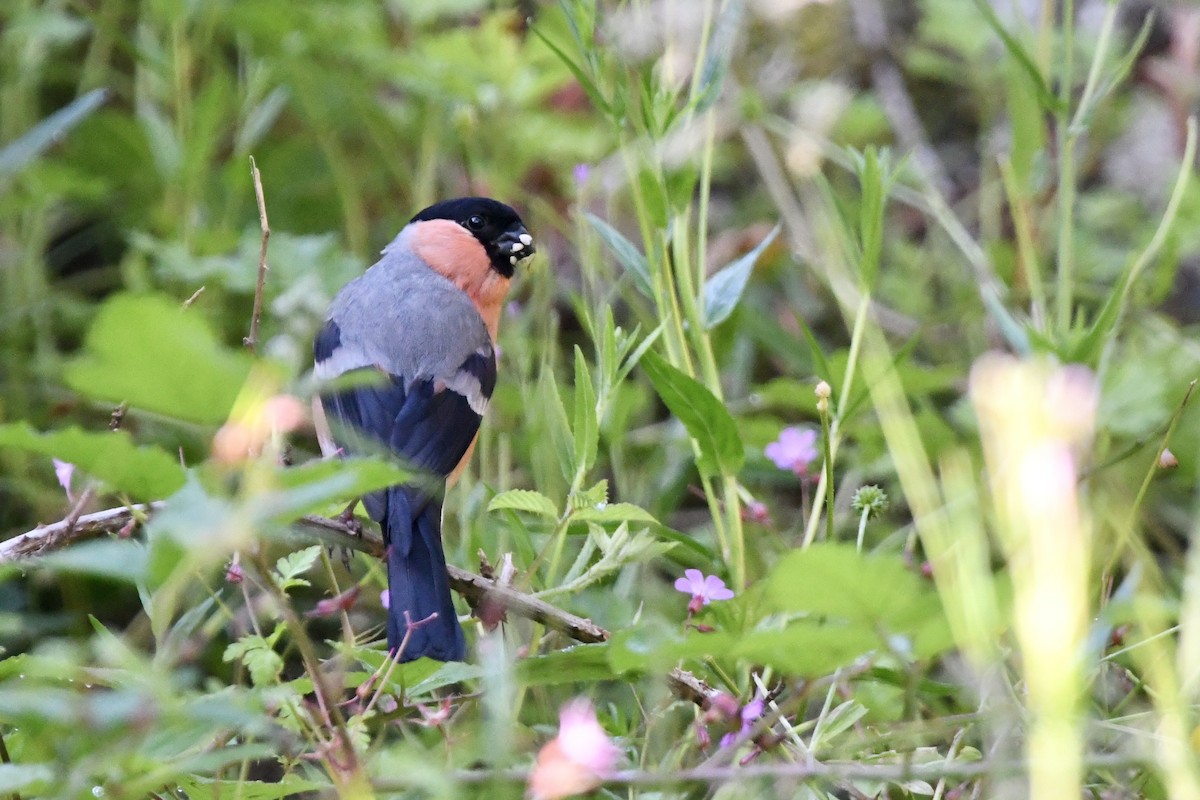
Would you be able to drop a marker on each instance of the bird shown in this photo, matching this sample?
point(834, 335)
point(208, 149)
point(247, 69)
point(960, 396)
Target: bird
point(421, 324)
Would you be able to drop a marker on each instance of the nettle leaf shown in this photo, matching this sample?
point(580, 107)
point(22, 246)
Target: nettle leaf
point(290, 567)
point(150, 352)
point(707, 420)
point(143, 472)
point(875, 593)
point(626, 252)
point(807, 648)
point(658, 647)
point(725, 288)
point(199, 788)
point(524, 500)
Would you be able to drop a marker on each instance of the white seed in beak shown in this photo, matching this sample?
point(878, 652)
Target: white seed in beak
point(526, 239)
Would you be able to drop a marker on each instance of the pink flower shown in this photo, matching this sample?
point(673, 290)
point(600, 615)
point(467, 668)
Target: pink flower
point(703, 589)
point(64, 471)
point(794, 450)
point(750, 714)
point(578, 759)
point(385, 599)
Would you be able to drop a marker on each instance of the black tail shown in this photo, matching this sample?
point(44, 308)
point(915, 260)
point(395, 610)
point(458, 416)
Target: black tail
point(417, 581)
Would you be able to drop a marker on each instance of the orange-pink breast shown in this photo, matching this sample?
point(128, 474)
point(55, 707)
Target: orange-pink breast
point(452, 251)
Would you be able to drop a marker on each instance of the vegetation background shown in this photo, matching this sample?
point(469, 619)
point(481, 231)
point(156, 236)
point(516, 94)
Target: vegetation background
point(880, 314)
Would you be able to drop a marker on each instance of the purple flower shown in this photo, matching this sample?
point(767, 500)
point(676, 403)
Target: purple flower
point(63, 471)
point(581, 173)
point(703, 589)
point(794, 450)
point(750, 714)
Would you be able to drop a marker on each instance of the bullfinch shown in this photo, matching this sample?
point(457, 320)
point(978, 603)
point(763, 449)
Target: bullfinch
point(424, 320)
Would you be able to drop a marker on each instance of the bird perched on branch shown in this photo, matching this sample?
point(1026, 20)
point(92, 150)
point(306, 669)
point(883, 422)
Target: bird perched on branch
point(422, 324)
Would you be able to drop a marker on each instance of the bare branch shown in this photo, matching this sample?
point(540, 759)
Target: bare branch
point(251, 341)
point(475, 588)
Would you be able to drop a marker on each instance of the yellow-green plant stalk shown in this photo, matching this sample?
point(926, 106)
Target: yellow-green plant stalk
point(1036, 420)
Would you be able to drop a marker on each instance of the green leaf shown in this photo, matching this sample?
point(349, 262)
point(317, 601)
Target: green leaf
point(725, 288)
point(585, 663)
point(587, 433)
point(806, 648)
point(614, 512)
point(289, 568)
point(259, 657)
point(657, 647)
point(626, 252)
point(720, 53)
point(1024, 60)
point(48, 132)
point(705, 417)
point(150, 352)
point(310, 487)
point(524, 500)
point(200, 788)
point(143, 472)
point(555, 417)
point(876, 593)
point(120, 559)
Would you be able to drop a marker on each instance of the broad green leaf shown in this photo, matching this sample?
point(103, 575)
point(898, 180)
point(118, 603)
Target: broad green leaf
point(150, 352)
point(144, 472)
point(120, 559)
point(705, 417)
point(587, 433)
point(725, 288)
point(524, 500)
point(584, 663)
point(626, 252)
point(310, 487)
point(876, 593)
point(654, 647)
point(807, 649)
point(259, 657)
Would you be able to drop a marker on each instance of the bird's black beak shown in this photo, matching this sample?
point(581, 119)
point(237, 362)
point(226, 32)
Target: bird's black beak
point(515, 244)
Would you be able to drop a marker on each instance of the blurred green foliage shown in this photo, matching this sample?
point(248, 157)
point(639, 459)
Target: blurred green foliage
point(732, 201)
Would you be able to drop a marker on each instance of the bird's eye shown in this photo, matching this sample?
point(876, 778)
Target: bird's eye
point(476, 222)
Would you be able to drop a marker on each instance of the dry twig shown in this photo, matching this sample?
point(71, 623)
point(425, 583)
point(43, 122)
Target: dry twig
point(251, 341)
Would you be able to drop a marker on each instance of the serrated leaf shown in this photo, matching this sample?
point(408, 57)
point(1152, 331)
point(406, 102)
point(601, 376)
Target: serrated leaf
point(144, 472)
point(705, 417)
point(876, 593)
point(148, 351)
point(290, 567)
point(259, 658)
point(589, 498)
point(524, 500)
point(627, 253)
point(614, 512)
point(725, 288)
point(199, 788)
point(587, 433)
